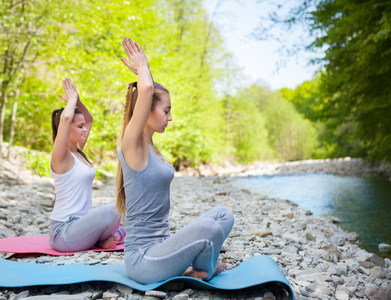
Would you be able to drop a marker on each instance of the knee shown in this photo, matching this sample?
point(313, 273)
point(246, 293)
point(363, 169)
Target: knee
point(108, 214)
point(226, 220)
point(211, 229)
point(228, 214)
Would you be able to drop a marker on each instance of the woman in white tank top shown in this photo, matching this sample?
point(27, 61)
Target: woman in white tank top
point(74, 225)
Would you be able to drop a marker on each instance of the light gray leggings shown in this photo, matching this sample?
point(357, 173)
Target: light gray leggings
point(78, 234)
point(197, 244)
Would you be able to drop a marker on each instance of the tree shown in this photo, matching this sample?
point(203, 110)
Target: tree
point(358, 68)
point(355, 39)
point(22, 27)
point(87, 49)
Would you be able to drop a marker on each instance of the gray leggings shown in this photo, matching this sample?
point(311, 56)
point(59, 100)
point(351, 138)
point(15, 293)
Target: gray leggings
point(82, 233)
point(197, 244)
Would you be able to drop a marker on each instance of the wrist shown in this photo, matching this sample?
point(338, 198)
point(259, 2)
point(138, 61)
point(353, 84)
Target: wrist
point(143, 69)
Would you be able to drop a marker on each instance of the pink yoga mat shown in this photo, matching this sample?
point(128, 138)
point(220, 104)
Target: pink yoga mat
point(38, 244)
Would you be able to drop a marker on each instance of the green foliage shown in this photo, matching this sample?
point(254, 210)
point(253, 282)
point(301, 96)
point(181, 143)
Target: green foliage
point(351, 95)
point(336, 138)
point(81, 40)
point(357, 76)
point(290, 135)
point(248, 130)
point(181, 46)
point(38, 163)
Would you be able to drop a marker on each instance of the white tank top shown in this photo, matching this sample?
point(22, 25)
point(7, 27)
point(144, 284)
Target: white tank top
point(73, 191)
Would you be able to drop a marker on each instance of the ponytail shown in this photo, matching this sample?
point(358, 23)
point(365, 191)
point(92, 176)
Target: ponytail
point(130, 102)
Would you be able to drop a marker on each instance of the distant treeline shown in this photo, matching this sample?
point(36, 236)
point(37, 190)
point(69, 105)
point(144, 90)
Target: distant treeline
point(43, 41)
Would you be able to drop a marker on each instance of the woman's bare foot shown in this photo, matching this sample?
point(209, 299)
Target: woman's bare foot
point(194, 273)
point(108, 243)
point(220, 267)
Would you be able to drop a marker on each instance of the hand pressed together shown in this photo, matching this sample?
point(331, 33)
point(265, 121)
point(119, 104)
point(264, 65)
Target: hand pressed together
point(70, 90)
point(136, 56)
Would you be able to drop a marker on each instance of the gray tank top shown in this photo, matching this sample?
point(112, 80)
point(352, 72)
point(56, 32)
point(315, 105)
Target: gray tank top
point(147, 202)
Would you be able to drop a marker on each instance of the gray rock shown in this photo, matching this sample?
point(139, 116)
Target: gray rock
point(110, 296)
point(181, 297)
point(188, 292)
point(366, 264)
point(377, 272)
point(19, 296)
point(155, 293)
point(310, 237)
point(377, 260)
point(384, 248)
point(124, 289)
point(376, 293)
point(341, 295)
point(309, 275)
point(318, 289)
point(6, 232)
point(338, 240)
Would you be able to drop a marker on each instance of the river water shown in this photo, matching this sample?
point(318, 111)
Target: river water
point(363, 205)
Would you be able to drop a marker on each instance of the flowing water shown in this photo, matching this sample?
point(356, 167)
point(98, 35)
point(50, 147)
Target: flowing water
point(363, 205)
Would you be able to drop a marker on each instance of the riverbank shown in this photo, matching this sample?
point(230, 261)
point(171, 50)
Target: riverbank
point(346, 166)
point(320, 260)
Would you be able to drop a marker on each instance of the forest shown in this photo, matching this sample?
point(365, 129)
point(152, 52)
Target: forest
point(345, 110)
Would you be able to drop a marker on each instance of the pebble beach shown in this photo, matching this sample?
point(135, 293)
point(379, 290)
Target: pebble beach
point(320, 260)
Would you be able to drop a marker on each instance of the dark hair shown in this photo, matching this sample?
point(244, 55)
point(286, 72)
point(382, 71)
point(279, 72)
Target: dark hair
point(56, 117)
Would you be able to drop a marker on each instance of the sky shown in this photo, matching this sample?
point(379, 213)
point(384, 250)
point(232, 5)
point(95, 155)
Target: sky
point(260, 61)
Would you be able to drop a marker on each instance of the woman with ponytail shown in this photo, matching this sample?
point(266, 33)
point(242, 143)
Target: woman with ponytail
point(74, 225)
point(143, 191)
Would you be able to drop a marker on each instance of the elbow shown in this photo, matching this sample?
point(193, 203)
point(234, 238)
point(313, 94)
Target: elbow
point(147, 88)
point(66, 118)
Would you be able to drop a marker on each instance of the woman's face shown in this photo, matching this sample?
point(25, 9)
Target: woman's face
point(160, 115)
point(78, 129)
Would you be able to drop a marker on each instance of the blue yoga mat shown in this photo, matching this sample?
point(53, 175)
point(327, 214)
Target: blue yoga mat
point(256, 271)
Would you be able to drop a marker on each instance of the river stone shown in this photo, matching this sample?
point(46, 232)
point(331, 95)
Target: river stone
point(376, 293)
point(188, 292)
point(110, 296)
point(318, 289)
point(335, 220)
point(341, 295)
point(310, 237)
point(181, 297)
point(309, 275)
point(364, 271)
point(155, 293)
point(377, 272)
point(384, 248)
point(366, 264)
point(338, 240)
point(377, 260)
point(260, 233)
point(6, 232)
point(291, 236)
point(124, 289)
point(19, 296)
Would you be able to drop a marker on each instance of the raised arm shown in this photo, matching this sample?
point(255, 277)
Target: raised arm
point(133, 145)
point(88, 118)
point(61, 158)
